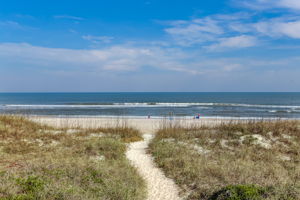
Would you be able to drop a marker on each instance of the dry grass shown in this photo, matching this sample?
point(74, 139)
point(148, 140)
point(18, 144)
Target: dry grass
point(42, 162)
point(204, 160)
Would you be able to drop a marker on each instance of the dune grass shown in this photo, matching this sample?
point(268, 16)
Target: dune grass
point(232, 161)
point(42, 162)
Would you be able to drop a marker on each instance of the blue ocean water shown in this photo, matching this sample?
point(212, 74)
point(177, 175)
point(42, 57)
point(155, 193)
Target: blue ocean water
point(241, 105)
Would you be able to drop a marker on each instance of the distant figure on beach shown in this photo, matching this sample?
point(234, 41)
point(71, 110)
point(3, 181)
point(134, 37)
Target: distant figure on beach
point(171, 115)
point(149, 116)
point(198, 116)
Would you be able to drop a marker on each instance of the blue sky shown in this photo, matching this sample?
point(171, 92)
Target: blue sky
point(152, 45)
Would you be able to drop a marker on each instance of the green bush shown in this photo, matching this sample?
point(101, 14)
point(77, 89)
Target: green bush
point(30, 187)
point(240, 192)
point(31, 184)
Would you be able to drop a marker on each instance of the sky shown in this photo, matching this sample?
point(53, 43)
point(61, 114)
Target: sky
point(150, 45)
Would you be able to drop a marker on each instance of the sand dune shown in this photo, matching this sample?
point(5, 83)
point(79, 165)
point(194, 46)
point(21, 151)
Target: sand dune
point(158, 185)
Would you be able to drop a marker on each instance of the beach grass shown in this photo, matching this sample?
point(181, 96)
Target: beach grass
point(43, 162)
point(233, 160)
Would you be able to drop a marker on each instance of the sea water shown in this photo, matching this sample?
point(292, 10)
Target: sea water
point(153, 104)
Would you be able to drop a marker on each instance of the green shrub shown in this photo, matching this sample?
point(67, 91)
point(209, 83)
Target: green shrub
point(240, 192)
point(110, 148)
point(31, 184)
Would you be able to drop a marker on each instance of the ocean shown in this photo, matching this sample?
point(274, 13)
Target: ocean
point(154, 104)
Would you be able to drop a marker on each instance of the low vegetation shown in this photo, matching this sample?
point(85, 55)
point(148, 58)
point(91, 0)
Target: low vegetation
point(42, 162)
point(232, 161)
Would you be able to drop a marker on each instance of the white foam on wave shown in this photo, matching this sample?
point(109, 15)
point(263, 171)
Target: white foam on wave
point(284, 111)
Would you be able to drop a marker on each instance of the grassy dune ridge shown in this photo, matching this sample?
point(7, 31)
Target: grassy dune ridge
point(236, 160)
point(42, 162)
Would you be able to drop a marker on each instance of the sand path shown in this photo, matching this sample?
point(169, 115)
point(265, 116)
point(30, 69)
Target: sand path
point(158, 185)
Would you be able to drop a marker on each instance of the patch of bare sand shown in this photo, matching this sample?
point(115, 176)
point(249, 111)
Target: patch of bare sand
point(144, 125)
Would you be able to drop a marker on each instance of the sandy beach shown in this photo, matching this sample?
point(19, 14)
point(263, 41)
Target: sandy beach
point(145, 125)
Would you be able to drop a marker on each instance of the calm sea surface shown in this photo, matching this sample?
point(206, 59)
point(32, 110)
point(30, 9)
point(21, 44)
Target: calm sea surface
point(248, 105)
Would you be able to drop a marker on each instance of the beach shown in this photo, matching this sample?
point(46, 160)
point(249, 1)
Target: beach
point(145, 125)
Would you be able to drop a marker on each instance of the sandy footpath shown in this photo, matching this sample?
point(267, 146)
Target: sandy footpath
point(159, 187)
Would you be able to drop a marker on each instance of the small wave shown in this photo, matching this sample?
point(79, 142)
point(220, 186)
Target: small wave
point(256, 105)
point(284, 111)
point(89, 104)
point(280, 111)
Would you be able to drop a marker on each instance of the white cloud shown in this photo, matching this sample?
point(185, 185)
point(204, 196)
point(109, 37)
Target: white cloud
point(103, 68)
point(290, 29)
point(187, 33)
point(114, 58)
point(214, 32)
point(270, 4)
point(68, 17)
point(98, 39)
point(240, 30)
point(242, 41)
point(120, 58)
point(279, 27)
point(11, 24)
point(292, 4)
